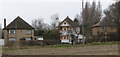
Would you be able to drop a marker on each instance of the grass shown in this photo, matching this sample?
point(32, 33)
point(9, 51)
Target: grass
point(103, 43)
point(81, 45)
point(58, 46)
point(5, 49)
point(0, 49)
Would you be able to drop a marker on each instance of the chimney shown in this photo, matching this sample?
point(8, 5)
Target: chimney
point(4, 22)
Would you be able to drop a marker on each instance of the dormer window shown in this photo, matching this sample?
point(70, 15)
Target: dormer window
point(12, 31)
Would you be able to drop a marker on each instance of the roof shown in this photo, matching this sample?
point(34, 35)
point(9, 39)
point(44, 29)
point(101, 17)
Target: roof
point(98, 25)
point(72, 23)
point(19, 23)
point(105, 23)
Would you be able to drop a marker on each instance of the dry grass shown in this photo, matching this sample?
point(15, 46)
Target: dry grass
point(66, 49)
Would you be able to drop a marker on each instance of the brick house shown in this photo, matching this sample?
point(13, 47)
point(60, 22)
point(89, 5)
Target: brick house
point(17, 30)
point(102, 28)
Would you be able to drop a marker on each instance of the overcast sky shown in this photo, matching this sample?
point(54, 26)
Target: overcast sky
point(33, 9)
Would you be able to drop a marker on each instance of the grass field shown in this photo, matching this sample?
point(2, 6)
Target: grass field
point(96, 48)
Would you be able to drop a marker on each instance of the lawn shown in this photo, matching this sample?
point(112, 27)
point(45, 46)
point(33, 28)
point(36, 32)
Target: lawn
point(104, 48)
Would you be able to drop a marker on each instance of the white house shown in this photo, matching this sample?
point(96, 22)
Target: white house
point(68, 28)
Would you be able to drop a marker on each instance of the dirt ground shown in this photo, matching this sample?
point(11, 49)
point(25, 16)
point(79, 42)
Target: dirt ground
point(87, 50)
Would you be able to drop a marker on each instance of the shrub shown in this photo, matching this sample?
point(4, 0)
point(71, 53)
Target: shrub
point(52, 35)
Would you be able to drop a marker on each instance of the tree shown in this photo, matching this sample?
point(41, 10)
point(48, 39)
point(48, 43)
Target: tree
point(51, 35)
point(38, 23)
point(40, 26)
point(55, 21)
point(91, 15)
point(112, 17)
point(112, 14)
point(78, 19)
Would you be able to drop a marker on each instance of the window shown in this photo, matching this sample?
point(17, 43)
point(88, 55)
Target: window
point(12, 31)
point(65, 29)
point(12, 39)
point(28, 31)
point(64, 23)
point(67, 38)
point(27, 38)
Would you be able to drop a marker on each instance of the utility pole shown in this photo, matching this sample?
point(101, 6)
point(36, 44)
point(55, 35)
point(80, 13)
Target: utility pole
point(83, 23)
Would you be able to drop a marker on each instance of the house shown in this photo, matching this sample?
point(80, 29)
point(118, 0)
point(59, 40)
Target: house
point(105, 31)
point(68, 30)
point(102, 28)
point(17, 30)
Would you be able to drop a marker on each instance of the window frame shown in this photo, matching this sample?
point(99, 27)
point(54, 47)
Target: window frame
point(12, 39)
point(28, 31)
point(28, 39)
point(12, 31)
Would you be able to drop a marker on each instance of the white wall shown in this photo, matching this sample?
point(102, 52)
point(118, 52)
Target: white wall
point(67, 24)
point(65, 41)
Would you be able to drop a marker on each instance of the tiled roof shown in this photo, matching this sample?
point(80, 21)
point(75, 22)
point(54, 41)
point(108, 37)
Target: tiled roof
point(72, 23)
point(105, 23)
point(19, 23)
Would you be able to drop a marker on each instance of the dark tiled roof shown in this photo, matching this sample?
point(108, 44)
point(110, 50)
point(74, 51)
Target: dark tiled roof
point(19, 23)
point(105, 23)
point(98, 24)
point(72, 23)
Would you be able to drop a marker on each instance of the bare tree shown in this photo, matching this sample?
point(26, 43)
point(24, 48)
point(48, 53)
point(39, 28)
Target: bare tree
point(91, 15)
point(55, 21)
point(38, 23)
point(40, 26)
point(112, 17)
point(112, 14)
point(78, 19)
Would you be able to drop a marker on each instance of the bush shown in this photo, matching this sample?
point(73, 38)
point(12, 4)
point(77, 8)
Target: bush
point(39, 32)
point(113, 37)
point(51, 35)
point(33, 43)
point(109, 37)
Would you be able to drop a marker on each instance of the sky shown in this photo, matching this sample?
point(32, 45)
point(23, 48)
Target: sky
point(33, 9)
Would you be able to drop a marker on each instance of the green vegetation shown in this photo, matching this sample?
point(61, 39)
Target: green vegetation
point(103, 43)
point(51, 35)
point(59, 46)
point(6, 49)
point(39, 32)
